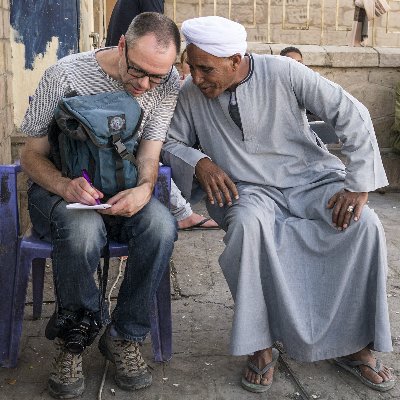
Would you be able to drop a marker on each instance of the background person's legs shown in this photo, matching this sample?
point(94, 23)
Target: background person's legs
point(179, 207)
point(184, 214)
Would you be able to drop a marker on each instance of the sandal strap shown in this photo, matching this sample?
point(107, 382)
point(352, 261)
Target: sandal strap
point(261, 372)
point(353, 364)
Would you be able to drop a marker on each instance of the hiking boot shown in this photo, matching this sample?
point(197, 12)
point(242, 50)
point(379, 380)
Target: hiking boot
point(66, 381)
point(131, 370)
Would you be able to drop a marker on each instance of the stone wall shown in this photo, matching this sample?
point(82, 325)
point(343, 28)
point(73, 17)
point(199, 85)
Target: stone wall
point(321, 22)
point(6, 98)
point(370, 75)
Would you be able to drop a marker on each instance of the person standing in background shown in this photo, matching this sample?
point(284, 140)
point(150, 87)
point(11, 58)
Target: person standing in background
point(123, 13)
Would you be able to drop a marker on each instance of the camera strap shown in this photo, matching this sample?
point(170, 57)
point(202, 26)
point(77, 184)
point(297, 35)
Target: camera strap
point(102, 274)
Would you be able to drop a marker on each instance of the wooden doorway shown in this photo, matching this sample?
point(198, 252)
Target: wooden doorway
point(109, 7)
point(93, 24)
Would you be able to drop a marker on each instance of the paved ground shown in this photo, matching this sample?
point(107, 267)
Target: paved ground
point(201, 367)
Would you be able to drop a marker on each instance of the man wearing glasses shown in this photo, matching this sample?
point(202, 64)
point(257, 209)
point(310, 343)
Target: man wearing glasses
point(141, 64)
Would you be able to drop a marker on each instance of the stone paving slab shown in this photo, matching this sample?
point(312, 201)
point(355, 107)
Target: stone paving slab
point(201, 367)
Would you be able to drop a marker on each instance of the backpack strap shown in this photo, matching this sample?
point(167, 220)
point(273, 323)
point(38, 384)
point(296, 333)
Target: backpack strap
point(122, 150)
point(124, 154)
point(102, 277)
point(62, 152)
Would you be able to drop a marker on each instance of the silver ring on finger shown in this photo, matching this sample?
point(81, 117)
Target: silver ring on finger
point(350, 209)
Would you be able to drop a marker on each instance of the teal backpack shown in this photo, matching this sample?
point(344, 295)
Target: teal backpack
point(97, 133)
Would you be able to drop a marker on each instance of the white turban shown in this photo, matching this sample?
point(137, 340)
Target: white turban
point(215, 35)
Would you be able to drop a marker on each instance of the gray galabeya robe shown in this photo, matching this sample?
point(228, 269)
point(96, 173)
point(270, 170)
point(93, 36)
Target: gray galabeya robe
point(293, 276)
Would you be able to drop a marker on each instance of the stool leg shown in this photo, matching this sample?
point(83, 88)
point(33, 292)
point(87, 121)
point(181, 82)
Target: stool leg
point(21, 284)
point(161, 323)
point(8, 278)
point(38, 268)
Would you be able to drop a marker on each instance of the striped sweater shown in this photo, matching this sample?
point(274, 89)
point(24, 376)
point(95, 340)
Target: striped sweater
point(82, 73)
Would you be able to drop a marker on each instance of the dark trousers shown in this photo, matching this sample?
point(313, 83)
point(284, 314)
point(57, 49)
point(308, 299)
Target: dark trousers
point(78, 236)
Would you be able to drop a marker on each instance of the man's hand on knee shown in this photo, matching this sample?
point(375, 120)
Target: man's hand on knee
point(346, 205)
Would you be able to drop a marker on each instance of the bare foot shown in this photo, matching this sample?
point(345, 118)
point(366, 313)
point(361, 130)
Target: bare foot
point(194, 219)
point(260, 359)
point(366, 356)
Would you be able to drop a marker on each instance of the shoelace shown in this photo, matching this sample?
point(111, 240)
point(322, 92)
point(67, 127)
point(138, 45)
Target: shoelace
point(129, 356)
point(67, 364)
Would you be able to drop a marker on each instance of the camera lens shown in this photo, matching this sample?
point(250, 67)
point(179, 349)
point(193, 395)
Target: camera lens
point(76, 343)
point(77, 338)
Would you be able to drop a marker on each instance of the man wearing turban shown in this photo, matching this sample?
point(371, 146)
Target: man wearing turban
point(305, 257)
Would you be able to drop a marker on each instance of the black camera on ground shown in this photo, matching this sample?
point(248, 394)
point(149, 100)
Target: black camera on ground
point(77, 329)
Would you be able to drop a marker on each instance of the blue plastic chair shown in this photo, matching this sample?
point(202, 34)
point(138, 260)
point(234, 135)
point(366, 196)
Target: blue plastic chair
point(18, 256)
point(324, 131)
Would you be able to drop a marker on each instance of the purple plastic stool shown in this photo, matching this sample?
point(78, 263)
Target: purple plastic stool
point(18, 256)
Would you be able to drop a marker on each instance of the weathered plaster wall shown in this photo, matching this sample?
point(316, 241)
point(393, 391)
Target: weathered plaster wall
point(26, 79)
point(36, 22)
point(6, 95)
point(42, 32)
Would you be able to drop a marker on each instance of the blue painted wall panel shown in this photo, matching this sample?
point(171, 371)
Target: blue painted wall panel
point(37, 21)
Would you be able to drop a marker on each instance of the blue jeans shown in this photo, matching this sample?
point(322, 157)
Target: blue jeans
point(78, 237)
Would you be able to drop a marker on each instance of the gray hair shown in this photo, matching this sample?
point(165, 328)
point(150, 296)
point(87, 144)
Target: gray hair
point(162, 27)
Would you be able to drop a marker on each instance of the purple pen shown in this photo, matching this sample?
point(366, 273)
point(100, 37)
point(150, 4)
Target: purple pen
point(85, 174)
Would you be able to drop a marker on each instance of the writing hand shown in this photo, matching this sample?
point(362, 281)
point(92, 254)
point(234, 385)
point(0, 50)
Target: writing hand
point(128, 202)
point(78, 190)
point(85, 174)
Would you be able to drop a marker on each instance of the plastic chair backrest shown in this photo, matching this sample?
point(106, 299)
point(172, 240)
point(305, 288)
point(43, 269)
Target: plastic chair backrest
point(324, 131)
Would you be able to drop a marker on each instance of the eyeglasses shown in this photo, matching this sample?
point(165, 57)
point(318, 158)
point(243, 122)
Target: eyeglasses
point(139, 73)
